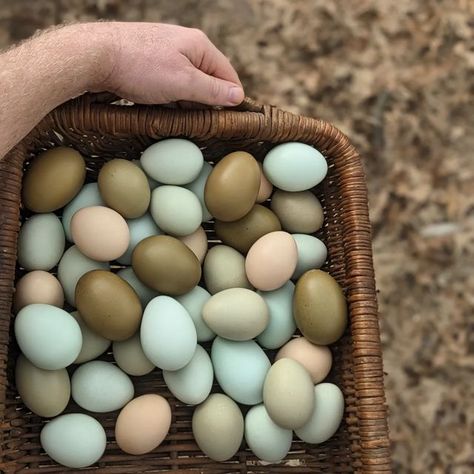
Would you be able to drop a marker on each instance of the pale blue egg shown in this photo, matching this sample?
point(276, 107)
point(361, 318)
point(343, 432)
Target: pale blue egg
point(197, 187)
point(312, 253)
point(145, 294)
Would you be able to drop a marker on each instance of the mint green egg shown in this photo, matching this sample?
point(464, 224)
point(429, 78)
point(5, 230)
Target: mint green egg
point(145, 294)
point(312, 253)
point(197, 187)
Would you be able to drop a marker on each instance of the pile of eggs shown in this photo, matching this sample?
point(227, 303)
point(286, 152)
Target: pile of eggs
point(125, 256)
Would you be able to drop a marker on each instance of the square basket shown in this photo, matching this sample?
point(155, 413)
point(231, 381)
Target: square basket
point(102, 131)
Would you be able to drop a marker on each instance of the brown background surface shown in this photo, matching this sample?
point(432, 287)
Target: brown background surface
point(398, 78)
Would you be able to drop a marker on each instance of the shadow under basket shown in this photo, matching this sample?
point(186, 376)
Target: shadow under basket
point(103, 131)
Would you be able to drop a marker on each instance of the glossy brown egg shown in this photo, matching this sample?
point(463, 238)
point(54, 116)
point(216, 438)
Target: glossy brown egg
point(166, 265)
point(124, 187)
point(242, 234)
point(319, 307)
point(232, 187)
point(53, 179)
point(108, 305)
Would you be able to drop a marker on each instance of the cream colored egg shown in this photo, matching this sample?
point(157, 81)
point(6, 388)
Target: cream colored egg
point(197, 242)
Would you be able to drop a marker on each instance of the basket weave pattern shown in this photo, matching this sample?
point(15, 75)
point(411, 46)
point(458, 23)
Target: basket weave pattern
point(101, 132)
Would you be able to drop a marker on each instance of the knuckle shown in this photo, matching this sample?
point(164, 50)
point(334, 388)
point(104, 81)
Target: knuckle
point(215, 89)
point(198, 34)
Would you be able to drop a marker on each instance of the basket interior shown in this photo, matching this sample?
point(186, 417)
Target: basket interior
point(20, 428)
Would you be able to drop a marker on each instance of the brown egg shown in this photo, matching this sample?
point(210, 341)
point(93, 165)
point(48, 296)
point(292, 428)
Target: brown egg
point(232, 187)
point(167, 265)
point(319, 307)
point(242, 234)
point(266, 188)
point(143, 424)
point(53, 179)
point(197, 242)
point(124, 187)
point(299, 212)
point(108, 305)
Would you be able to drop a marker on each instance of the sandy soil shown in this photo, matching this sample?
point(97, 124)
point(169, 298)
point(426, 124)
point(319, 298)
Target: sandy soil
point(397, 77)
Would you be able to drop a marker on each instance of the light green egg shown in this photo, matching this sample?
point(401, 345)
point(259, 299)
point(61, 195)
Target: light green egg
point(93, 345)
point(312, 253)
point(145, 294)
point(130, 357)
point(74, 440)
point(282, 324)
point(197, 187)
point(240, 369)
point(176, 210)
point(294, 166)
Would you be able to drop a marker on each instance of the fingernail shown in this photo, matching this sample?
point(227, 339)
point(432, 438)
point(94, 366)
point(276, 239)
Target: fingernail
point(236, 95)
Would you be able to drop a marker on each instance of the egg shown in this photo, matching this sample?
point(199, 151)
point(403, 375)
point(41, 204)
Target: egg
point(88, 196)
point(268, 441)
point(44, 392)
point(271, 261)
point(319, 307)
point(243, 233)
point(48, 336)
point(194, 302)
point(176, 210)
point(130, 357)
point(167, 334)
point(191, 384)
point(312, 253)
point(139, 229)
point(152, 184)
point(38, 287)
point(197, 187)
point(317, 360)
point(166, 265)
point(294, 166)
point(237, 314)
point(288, 394)
point(108, 305)
point(40, 242)
point(93, 345)
point(298, 212)
point(124, 188)
point(144, 293)
point(143, 424)
point(53, 179)
point(218, 427)
point(281, 325)
point(72, 266)
point(240, 369)
point(197, 243)
point(100, 233)
point(232, 187)
point(172, 161)
point(224, 268)
point(327, 414)
point(101, 387)
point(266, 188)
point(74, 440)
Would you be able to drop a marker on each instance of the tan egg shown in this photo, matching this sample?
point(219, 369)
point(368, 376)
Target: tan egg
point(271, 261)
point(299, 212)
point(38, 287)
point(124, 187)
point(130, 357)
point(53, 179)
point(108, 305)
point(165, 264)
point(197, 242)
point(44, 392)
point(143, 424)
point(232, 187)
point(242, 234)
point(319, 307)
point(266, 188)
point(315, 359)
point(100, 233)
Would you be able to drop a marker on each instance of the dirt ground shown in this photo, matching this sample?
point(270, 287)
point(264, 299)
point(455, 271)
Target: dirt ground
point(397, 77)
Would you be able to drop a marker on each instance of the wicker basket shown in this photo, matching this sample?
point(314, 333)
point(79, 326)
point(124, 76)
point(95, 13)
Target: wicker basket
point(101, 131)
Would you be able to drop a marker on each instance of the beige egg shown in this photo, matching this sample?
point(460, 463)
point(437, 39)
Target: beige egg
point(271, 261)
point(130, 357)
point(38, 287)
point(317, 360)
point(266, 188)
point(100, 233)
point(197, 242)
point(143, 424)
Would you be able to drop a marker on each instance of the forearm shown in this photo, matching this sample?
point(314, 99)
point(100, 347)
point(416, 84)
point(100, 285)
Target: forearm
point(46, 71)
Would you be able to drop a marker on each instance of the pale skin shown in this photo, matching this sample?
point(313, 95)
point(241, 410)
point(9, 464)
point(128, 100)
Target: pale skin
point(147, 63)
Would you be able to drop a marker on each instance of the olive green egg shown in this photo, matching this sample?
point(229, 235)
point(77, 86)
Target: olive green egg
point(167, 265)
point(243, 233)
point(232, 187)
point(319, 307)
point(108, 305)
